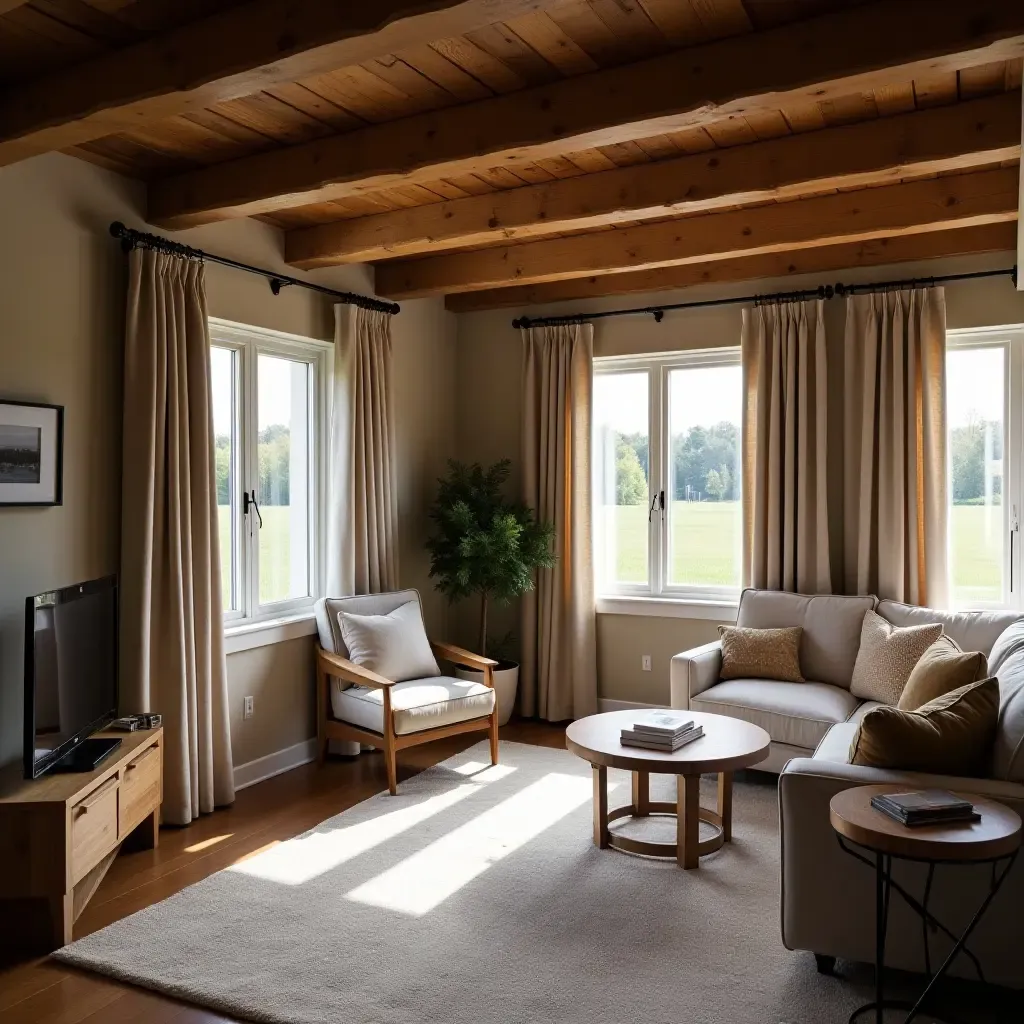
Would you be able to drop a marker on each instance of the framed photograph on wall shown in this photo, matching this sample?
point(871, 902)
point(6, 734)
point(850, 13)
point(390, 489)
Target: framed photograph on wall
point(31, 453)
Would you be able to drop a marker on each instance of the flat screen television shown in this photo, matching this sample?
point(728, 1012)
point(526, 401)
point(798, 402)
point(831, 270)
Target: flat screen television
point(70, 675)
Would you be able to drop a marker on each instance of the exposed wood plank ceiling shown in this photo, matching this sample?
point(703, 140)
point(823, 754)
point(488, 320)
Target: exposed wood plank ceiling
point(473, 146)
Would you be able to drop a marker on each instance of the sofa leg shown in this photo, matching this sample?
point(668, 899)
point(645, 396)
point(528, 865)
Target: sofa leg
point(826, 964)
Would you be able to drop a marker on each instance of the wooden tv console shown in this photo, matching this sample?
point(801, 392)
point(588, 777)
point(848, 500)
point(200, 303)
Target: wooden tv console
point(60, 833)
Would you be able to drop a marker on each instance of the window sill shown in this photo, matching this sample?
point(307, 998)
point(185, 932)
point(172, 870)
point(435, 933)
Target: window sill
point(668, 608)
point(246, 635)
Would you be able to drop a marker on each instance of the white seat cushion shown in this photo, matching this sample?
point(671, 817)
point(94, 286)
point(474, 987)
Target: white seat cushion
point(798, 714)
point(837, 743)
point(417, 704)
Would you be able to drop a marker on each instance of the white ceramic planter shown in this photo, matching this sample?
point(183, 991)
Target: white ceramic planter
point(506, 682)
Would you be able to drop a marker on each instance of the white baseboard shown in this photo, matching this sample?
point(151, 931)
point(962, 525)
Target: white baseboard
point(251, 772)
point(607, 704)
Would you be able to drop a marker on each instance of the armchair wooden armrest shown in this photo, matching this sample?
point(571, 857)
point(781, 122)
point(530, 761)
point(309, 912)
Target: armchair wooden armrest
point(449, 652)
point(336, 665)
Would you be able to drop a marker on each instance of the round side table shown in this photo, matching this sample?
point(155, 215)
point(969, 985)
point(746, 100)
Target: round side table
point(994, 839)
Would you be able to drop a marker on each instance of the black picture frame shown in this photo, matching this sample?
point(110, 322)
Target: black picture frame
point(56, 480)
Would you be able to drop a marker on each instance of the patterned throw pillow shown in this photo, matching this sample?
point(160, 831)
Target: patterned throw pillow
point(749, 653)
point(943, 667)
point(887, 656)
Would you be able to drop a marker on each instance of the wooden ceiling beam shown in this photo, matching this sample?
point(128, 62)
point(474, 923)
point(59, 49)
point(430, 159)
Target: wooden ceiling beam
point(764, 266)
point(235, 52)
point(852, 50)
point(958, 137)
point(982, 197)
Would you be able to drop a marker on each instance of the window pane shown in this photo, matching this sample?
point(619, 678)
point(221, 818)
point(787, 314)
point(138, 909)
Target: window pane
point(975, 397)
point(223, 363)
point(704, 523)
point(283, 486)
point(621, 492)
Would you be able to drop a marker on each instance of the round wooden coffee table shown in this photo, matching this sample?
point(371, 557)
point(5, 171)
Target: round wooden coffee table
point(993, 839)
point(727, 744)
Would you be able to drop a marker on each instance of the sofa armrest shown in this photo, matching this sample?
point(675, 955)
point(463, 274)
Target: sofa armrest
point(693, 672)
point(825, 892)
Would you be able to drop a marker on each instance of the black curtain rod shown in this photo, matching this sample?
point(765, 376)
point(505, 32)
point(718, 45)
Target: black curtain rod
point(131, 239)
point(825, 291)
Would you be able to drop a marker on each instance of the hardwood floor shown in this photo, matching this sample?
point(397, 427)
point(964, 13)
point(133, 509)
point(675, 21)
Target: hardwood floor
point(40, 991)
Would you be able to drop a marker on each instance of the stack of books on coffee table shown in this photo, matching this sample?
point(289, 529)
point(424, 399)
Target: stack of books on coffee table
point(925, 807)
point(662, 730)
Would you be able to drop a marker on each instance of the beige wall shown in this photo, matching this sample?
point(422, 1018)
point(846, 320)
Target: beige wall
point(62, 282)
point(489, 415)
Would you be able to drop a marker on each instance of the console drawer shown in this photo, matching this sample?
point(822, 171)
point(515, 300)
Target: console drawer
point(140, 788)
point(93, 828)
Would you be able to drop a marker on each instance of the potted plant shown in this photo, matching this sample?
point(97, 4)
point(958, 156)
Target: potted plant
point(486, 546)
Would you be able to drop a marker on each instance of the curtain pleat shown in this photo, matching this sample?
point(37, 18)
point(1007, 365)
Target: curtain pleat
point(558, 676)
point(894, 484)
point(363, 522)
point(172, 634)
point(785, 448)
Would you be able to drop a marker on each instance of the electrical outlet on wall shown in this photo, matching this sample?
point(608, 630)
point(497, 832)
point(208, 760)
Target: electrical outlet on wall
point(248, 709)
point(645, 663)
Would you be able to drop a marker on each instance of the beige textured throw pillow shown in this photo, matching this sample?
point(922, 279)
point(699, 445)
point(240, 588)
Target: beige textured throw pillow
point(943, 667)
point(951, 735)
point(749, 653)
point(887, 656)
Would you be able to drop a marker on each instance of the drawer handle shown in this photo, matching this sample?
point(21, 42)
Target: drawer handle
point(96, 795)
point(144, 756)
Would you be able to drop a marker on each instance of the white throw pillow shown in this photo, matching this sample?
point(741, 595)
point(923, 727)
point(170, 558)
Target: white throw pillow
point(394, 646)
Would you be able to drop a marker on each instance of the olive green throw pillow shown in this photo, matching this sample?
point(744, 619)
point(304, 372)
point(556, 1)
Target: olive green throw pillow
point(951, 735)
point(943, 667)
point(749, 653)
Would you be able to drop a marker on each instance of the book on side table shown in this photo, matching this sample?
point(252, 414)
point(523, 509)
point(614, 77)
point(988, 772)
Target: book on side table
point(661, 730)
point(925, 807)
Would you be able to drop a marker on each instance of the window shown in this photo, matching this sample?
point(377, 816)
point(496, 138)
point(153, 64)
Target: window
point(985, 424)
point(667, 519)
point(269, 397)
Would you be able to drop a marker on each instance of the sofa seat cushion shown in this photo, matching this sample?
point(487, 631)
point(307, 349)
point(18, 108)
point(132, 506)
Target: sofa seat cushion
point(831, 624)
point(798, 714)
point(862, 709)
point(837, 746)
point(417, 704)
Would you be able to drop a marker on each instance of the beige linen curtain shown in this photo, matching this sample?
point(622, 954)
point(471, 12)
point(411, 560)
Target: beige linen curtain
point(785, 448)
point(363, 521)
point(558, 677)
point(894, 488)
point(171, 613)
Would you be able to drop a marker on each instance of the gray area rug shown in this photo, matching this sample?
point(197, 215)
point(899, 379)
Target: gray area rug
point(477, 896)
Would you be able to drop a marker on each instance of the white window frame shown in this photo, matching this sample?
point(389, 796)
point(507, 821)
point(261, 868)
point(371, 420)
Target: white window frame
point(249, 343)
point(659, 596)
point(1011, 339)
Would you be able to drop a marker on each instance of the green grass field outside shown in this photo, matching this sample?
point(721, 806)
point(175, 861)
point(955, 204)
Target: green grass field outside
point(275, 553)
point(704, 548)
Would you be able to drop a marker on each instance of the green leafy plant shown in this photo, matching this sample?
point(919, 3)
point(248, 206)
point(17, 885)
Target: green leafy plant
point(483, 544)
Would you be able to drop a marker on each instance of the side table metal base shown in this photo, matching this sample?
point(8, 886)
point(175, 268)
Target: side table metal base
point(884, 884)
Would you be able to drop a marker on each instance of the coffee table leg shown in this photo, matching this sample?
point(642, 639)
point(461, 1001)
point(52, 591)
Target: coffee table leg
point(688, 820)
point(725, 804)
point(641, 794)
point(600, 806)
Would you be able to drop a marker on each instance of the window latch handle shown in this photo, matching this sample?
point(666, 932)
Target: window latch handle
point(249, 498)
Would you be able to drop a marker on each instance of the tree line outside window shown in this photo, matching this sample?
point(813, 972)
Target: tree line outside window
point(705, 465)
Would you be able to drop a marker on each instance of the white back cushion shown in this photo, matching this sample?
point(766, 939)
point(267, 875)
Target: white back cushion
point(831, 622)
point(394, 646)
point(973, 631)
point(327, 608)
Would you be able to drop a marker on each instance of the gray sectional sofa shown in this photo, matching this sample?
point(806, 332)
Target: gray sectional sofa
point(827, 897)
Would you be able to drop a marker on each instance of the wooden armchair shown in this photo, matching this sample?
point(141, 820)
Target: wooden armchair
point(356, 704)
